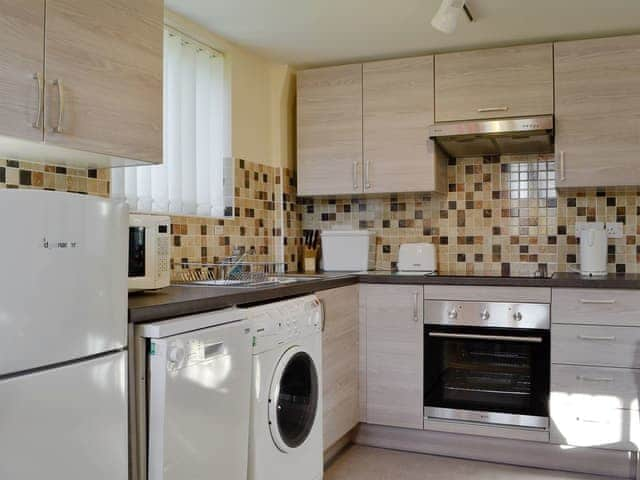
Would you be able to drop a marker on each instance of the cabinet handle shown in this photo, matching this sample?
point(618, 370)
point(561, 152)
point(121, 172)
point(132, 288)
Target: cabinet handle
point(473, 336)
point(322, 313)
point(598, 302)
point(563, 175)
point(415, 306)
point(367, 184)
point(38, 78)
point(354, 175)
point(492, 109)
point(596, 339)
point(59, 128)
point(584, 378)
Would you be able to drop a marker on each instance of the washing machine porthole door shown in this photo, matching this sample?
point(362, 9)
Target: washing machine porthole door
point(293, 399)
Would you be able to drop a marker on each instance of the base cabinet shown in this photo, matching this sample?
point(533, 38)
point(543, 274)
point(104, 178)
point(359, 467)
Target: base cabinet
point(340, 408)
point(393, 325)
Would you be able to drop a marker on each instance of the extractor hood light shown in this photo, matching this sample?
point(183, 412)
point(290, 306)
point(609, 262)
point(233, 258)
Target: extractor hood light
point(446, 18)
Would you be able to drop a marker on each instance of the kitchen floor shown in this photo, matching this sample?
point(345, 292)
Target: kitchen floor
point(366, 463)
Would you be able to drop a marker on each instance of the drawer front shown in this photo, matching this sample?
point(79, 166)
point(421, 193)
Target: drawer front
point(582, 426)
point(589, 306)
point(596, 346)
point(597, 387)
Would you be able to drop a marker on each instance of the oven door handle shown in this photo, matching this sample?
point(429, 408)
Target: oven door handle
point(471, 336)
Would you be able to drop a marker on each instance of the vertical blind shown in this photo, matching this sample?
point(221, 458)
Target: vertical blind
point(191, 179)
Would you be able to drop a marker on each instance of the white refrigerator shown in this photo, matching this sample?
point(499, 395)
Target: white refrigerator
point(63, 334)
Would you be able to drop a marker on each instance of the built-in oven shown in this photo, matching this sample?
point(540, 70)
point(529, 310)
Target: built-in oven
point(487, 362)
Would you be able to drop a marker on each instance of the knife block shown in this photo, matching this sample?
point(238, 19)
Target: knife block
point(310, 260)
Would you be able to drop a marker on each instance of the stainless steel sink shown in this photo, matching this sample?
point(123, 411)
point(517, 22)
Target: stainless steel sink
point(266, 282)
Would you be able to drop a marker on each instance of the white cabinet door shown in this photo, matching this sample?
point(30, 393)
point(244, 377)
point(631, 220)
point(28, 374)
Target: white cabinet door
point(66, 423)
point(394, 354)
point(597, 85)
point(104, 68)
point(494, 83)
point(21, 59)
point(330, 130)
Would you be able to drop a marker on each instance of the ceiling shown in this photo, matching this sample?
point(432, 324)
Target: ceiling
point(319, 32)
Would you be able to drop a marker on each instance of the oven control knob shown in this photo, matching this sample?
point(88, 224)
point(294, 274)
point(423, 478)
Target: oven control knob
point(517, 316)
point(453, 314)
point(484, 316)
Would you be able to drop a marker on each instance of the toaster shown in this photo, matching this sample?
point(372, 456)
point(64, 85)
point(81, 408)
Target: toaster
point(417, 257)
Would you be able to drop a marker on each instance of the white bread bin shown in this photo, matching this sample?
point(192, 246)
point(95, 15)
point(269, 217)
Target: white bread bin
point(348, 250)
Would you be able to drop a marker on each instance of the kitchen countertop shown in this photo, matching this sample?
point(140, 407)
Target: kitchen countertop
point(179, 300)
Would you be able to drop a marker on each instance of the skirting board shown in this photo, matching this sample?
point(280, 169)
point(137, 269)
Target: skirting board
point(610, 463)
point(331, 453)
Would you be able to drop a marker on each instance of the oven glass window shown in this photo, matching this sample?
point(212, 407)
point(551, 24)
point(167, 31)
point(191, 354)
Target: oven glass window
point(467, 373)
point(136, 252)
point(297, 400)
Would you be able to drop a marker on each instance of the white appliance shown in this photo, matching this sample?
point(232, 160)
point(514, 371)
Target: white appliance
point(593, 249)
point(149, 252)
point(417, 257)
point(286, 401)
point(63, 318)
point(199, 380)
point(348, 250)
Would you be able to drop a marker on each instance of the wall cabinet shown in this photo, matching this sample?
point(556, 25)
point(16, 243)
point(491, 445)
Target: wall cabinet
point(398, 110)
point(87, 79)
point(494, 83)
point(21, 62)
point(393, 373)
point(330, 130)
point(597, 86)
point(364, 129)
point(340, 408)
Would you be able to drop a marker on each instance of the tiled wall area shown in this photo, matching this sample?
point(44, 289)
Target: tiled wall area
point(15, 174)
point(200, 240)
point(500, 216)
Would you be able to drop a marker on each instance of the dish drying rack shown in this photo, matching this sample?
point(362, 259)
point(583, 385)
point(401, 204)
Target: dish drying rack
point(231, 273)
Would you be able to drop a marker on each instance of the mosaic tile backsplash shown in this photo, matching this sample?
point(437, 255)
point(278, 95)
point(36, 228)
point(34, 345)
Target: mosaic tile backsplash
point(501, 216)
point(14, 174)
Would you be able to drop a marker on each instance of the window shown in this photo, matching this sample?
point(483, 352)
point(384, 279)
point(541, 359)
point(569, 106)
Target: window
point(191, 179)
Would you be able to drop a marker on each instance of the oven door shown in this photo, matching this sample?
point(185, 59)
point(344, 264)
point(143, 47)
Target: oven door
point(488, 375)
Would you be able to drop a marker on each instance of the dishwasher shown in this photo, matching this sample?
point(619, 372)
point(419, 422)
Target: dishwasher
point(192, 397)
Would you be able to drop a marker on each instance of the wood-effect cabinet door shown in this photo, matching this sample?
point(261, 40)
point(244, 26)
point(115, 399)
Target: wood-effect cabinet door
point(597, 86)
point(330, 130)
point(494, 83)
point(397, 112)
point(21, 68)
point(340, 378)
point(394, 354)
point(104, 68)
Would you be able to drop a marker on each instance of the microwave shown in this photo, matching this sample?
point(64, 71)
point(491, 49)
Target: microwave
point(149, 252)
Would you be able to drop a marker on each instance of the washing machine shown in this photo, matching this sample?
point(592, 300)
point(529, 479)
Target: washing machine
point(285, 439)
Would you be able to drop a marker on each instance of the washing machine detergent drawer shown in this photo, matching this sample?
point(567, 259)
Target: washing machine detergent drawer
point(199, 400)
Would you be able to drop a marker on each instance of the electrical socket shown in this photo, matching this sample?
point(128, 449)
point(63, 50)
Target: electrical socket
point(615, 229)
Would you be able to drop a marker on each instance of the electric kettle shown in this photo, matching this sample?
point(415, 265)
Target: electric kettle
point(593, 249)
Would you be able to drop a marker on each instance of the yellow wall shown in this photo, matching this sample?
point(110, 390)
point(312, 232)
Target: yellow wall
point(262, 101)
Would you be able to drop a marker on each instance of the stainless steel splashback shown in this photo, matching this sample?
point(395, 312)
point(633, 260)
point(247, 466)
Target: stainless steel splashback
point(474, 138)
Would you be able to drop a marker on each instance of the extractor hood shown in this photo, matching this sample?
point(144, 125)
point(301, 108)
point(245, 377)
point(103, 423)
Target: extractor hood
point(506, 136)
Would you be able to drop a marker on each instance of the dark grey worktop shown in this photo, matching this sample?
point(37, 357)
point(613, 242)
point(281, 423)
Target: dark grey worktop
point(181, 300)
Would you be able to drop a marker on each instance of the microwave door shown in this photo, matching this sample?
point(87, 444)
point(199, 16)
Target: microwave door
point(137, 252)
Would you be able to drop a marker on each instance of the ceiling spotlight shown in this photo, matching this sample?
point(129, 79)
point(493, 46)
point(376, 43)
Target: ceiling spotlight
point(446, 18)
